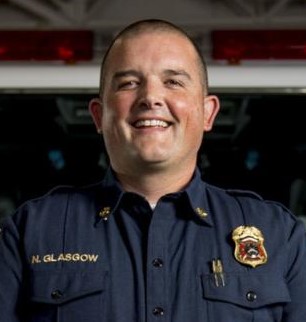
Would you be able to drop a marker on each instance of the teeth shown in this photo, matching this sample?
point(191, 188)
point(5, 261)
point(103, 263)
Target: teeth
point(151, 123)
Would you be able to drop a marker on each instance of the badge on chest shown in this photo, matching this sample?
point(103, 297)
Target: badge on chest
point(249, 246)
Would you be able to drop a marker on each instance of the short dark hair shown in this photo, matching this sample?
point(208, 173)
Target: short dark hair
point(153, 25)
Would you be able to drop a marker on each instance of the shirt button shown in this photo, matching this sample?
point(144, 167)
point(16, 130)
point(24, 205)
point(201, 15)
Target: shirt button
point(158, 311)
point(251, 296)
point(56, 295)
point(157, 262)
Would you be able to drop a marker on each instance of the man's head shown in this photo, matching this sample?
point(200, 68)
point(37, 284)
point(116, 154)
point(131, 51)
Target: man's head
point(153, 25)
point(153, 106)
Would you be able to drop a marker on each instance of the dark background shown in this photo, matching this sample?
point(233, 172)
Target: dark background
point(258, 143)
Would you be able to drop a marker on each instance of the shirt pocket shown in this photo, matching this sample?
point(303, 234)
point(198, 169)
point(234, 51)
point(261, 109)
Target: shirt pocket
point(245, 297)
point(67, 296)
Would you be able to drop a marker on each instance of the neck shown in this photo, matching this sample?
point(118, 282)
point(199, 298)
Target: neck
point(155, 185)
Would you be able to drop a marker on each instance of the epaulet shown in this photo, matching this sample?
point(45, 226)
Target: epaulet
point(243, 193)
point(279, 204)
point(59, 189)
point(254, 195)
point(62, 190)
point(55, 194)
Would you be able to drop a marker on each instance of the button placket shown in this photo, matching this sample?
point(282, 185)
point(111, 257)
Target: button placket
point(158, 311)
point(156, 279)
point(158, 262)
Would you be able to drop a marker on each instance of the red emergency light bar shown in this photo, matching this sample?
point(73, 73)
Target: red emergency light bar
point(237, 45)
point(46, 45)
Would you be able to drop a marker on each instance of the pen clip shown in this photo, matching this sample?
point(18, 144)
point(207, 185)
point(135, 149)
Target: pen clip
point(217, 268)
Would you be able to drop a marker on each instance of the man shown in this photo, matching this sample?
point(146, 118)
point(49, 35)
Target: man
point(152, 242)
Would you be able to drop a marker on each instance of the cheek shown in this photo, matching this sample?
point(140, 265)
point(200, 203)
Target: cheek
point(115, 109)
point(121, 102)
point(115, 116)
point(189, 109)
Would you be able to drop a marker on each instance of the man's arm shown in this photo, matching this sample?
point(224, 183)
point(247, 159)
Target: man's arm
point(10, 272)
point(296, 278)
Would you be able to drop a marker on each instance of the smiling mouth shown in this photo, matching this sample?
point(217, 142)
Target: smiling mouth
point(151, 123)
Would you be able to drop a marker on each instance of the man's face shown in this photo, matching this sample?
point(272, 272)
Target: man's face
point(153, 110)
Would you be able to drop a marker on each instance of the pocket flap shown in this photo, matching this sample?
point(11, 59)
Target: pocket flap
point(59, 287)
point(248, 290)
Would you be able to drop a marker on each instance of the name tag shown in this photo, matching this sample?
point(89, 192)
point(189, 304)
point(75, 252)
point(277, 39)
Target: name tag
point(64, 257)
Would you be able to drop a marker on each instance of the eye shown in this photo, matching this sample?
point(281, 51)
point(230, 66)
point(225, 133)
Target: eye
point(125, 85)
point(173, 83)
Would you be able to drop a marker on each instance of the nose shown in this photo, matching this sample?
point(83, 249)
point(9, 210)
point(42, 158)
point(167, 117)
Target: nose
point(151, 95)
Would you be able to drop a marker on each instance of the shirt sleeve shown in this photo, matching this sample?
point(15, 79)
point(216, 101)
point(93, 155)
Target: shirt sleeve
point(10, 272)
point(296, 275)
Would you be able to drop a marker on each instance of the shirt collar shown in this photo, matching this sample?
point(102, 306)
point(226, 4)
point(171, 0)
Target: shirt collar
point(109, 197)
point(197, 197)
point(112, 192)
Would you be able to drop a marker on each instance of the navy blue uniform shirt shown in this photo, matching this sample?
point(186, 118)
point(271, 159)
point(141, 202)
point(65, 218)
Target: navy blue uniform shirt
point(101, 254)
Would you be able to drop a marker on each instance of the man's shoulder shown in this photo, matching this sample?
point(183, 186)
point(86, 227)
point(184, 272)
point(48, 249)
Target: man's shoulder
point(251, 203)
point(59, 193)
point(55, 202)
point(234, 193)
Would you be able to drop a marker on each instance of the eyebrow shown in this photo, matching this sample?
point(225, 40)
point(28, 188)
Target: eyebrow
point(167, 72)
point(126, 73)
point(177, 72)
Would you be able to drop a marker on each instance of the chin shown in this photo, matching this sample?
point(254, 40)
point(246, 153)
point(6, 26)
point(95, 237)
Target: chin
point(154, 157)
point(153, 162)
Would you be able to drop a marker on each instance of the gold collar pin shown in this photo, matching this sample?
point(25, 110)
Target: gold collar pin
point(201, 212)
point(104, 213)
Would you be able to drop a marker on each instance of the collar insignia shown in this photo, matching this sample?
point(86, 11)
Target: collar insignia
point(201, 212)
point(104, 213)
point(249, 246)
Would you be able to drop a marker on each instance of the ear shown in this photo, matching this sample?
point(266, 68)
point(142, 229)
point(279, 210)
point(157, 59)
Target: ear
point(211, 109)
point(96, 111)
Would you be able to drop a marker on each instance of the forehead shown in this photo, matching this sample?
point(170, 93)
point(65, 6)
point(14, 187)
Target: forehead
point(156, 46)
